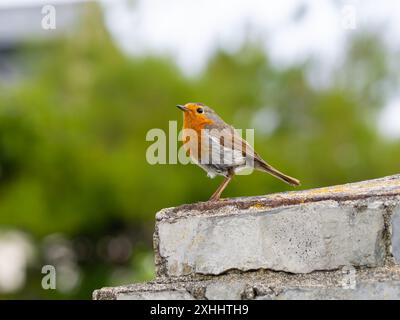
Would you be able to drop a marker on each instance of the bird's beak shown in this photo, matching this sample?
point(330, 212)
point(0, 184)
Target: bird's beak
point(183, 108)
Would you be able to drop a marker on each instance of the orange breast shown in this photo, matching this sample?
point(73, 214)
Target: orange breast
point(194, 145)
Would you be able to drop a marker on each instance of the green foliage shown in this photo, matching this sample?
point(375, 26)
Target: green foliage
point(72, 135)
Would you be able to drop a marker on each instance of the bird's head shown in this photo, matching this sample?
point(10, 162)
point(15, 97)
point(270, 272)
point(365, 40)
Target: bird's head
point(197, 115)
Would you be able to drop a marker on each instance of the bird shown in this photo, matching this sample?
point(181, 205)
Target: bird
point(217, 148)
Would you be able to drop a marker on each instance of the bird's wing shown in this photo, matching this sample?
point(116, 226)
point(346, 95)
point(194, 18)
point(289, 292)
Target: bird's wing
point(222, 145)
point(238, 152)
point(228, 145)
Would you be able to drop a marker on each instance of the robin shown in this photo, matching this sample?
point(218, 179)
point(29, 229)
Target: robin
point(218, 149)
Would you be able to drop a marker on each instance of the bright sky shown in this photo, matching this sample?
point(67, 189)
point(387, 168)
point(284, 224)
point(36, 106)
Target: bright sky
point(190, 31)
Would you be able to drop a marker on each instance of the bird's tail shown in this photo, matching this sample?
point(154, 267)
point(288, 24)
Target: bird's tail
point(263, 166)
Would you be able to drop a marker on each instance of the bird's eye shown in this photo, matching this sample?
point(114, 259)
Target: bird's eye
point(200, 110)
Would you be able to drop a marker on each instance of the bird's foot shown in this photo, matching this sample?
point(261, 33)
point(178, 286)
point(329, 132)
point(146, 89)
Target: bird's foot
point(214, 198)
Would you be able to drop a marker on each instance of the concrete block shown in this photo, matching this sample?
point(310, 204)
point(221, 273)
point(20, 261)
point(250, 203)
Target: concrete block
point(297, 239)
point(395, 240)
point(369, 283)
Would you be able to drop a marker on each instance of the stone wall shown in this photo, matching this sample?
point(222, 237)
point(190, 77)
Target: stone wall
point(340, 242)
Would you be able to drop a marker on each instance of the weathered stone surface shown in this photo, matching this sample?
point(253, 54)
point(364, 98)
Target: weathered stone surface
point(365, 291)
point(144, 291)
point(231, 290)
point(156, 295)
point(369, 283)
point(293, 245)
point(396, 234)
point(298, 239)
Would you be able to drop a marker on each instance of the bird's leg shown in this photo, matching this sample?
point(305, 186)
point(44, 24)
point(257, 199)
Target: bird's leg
point(217, 194)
